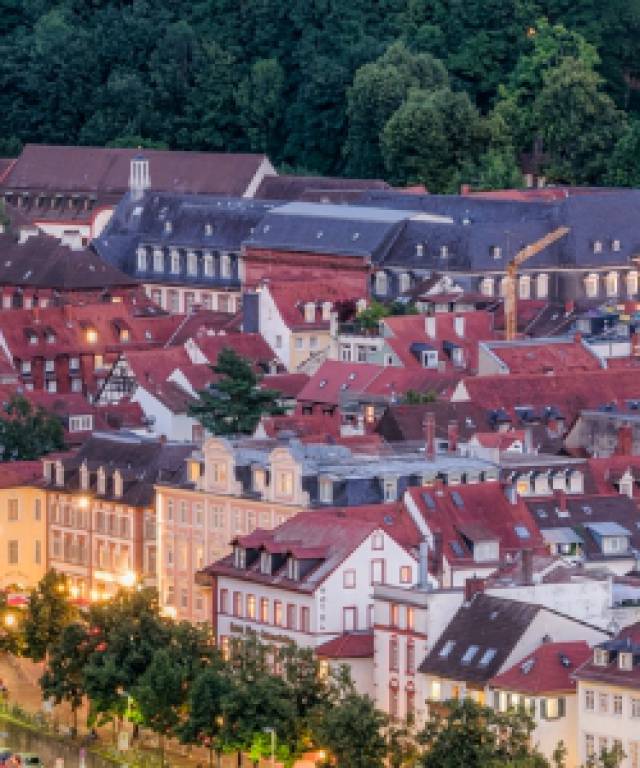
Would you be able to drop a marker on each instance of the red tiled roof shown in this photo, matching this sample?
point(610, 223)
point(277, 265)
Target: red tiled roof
point(569, 392)
point(544, 357)
point(288, 384)
point(469, 512)
point(628, 639)
point(604, 472)
point(106, 170)
point(409, 329)
point(548, 669)
point(302, 426)
point(249, 345)
point(290, 298)
point(351, 645)
point(500, 440)
point(17, 473)
point(335, 377)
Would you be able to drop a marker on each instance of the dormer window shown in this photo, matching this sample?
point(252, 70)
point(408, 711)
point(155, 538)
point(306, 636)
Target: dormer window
point(391, 489)
point(309, 312)
point(496, 252)
point(265, 563)
point(601, 657)
point(33, 338)
point(615, 245)
point(168, 227)
point(158, 260)
point(192, 263)
point(404, 282)
point(101, 481)
point(225, 265)
point(259, 479)
point(208, 265)
point(285, 483)
point(487, 286)
point(239, 557)
point(625, 660)
point(51, 337)
point(141, 254)
point(91, 335)
point(444, 251)
point(59, 473)
point(84, 476)
point(293, 569)
point(124, 335)
point(117, 484)
point(208, 229)
point(175, 262)
point(325, 490)
point(220, 473)
point(597, 246)
point(381, 283)
point(326, 311)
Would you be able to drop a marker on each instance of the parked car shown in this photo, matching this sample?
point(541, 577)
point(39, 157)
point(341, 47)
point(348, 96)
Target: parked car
point(30, 759)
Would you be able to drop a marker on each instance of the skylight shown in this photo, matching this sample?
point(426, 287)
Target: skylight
point(457, 499)
point(527, 666)
point(469, 654)
point(487, 657)
point(522, 532)
point(447, 648)
point(428, 500)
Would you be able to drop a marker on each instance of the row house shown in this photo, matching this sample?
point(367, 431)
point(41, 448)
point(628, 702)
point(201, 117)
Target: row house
point(608, 697)
point(71, 348)
point(101, 511)
point(236, 486)
point(65, 190)
point(311, 581)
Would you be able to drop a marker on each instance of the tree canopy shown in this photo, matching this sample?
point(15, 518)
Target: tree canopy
point(316, 84)
point(234, 403)
point(26, 432)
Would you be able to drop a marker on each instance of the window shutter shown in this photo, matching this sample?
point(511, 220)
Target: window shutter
point(543, 708)
point(561, 707)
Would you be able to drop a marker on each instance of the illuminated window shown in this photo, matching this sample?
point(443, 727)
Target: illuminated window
point(591, 285)
point(542, 285)
point(91, 335)
point(611, 284)
point(251, 606)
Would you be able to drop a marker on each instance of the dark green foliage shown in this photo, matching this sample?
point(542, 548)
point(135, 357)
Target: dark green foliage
point(48, 613)
point(313, 83)
point(26, 433)
point(234, 404)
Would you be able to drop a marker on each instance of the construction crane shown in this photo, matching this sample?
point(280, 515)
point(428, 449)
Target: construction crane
point(510, 294)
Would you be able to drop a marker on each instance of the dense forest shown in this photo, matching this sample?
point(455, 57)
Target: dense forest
point(438, 92)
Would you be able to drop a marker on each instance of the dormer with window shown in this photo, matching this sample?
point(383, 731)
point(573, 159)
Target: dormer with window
point(158, 260)
point(309, 312)
point(326, 311)
point(192, 263)
point(84, 476)
point(117, 484)
point(293, 568)
point(597, 246)
point(266, 561)
point(404, 282)
point(101, 481)
point(390, 489)
point(141, 257)
point(615, 246)
point(259, 482)
point(495, 252)
point(59, 473)
point(175, 261)
point(625, 661)
point(239, 556)
point(600, 657)
point(325, 490)
point(168, 227)
point(225, 265)
point(208, 229)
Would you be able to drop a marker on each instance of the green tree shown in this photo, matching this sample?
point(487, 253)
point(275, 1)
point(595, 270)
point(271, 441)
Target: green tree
point(624, 164)
point(11, 629)
point(63, 680)
point(430, 137)
point(261, 105)
point(204, 723)
point(379, 89)
point(26, 433)
point(579, 123)
point(467, 734)
point(352, 732)
point(159, 694)
point(369, 318)
point(48, 612)
point(235, 402)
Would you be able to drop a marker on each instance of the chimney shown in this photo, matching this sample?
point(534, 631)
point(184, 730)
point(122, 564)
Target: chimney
point(452, 436)
point(473, 587)
point(430, 326)
point(429, 431)
point(139, 179)
point(423, 574)
point(527, 567)
point(624, 443)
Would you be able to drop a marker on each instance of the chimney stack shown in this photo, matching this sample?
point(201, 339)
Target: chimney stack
point(429, 431)
point(527, 567)
point(139, 180)
point(473, 587)
point(452, 436)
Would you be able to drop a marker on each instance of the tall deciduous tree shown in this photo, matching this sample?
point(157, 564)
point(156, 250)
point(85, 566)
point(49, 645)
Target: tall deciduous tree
point(234, 404)
point(260, 100)
point(48, 613)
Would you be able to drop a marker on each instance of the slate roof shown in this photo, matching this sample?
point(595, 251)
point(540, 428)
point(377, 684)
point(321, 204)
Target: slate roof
point(106, 170)
point(404, 422)
point(142, 462)
point(321, 188)
point(488, 623)
point(548, 670)
point(350, 645)
point(583, 516)
point(43, 262)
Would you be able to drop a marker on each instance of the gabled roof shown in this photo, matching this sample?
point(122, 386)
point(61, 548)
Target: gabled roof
point(405, 422)
point(492, 626)
point(548, 670)
point(43, 262)
point(292, 296)
point(106, 170)
point(548, 356)
point(626, 641)
point(288, 384)
point(350, 645)
point(470, 513)
point(500, 440)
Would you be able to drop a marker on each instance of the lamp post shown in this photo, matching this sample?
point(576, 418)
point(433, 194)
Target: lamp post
point(272, 731)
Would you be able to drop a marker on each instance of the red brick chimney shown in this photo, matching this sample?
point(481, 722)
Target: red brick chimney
point(465, 189)
point(472, 587)
point(624, 444)
point(429, 432)
point(452, 436)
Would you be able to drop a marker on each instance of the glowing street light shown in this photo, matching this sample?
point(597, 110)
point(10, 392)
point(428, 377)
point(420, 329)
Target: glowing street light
point(10, 620)
point(128, 579)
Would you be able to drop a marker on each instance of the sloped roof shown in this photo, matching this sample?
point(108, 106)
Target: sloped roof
point(545, 356)
point(249, 345)
point(105, 169)
point(500, 440)
point(16, 473)
point(288, 384)
point(289, 187)
point(626, 641)
point(493, 625)
point(548, 670)
point(405, 422)
point(350, 645)
point(43, 262)
point(291, 297)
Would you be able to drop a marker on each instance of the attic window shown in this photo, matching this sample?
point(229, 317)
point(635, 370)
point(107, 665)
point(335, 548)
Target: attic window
point(496, 252)
point(444, 251)
point(208, 229)
point(527, 666)
point(447, 648)
point(168, 227)
point(469, 654)
point(522, 532)
point(615, 245)
point(148, 335)
point(266, 228)
point(601, 657)
point(239, 557)
point(293, 569)
point(597, 246)
point(625, 660)
point(487, 657)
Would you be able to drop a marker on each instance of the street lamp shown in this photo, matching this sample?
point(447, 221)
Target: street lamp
point(272, 731)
